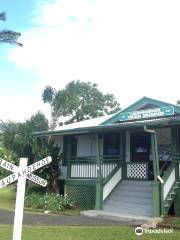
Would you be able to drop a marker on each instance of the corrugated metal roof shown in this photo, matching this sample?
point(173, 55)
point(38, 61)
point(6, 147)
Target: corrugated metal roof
point(151, 123)
point(85, 123)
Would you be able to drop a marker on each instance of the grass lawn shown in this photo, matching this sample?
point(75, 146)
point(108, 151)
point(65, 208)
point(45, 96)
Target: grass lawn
point(7, 201)
point(7, 198)
point(84, 233)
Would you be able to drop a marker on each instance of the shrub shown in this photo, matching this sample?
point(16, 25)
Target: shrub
point(49, 201)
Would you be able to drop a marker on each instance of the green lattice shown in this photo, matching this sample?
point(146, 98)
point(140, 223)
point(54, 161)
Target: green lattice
point(83, 195)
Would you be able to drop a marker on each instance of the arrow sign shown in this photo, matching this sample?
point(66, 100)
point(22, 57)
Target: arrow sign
point(21, 173)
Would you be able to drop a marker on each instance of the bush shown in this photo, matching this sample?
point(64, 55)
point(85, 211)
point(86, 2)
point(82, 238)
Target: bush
point(49, 201)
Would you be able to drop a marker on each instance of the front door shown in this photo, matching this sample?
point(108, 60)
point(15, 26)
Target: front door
point(140, 153)
point(140, 146)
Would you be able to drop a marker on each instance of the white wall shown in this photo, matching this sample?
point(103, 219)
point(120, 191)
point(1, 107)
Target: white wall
point(86, 145)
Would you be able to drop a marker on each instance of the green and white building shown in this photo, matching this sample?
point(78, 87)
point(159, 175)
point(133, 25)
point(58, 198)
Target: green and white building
point(127, 163)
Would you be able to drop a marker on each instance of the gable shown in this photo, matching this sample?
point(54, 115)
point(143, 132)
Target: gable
point(144, 104)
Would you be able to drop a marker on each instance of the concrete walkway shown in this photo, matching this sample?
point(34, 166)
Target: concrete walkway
point(125, 219)
point(7, 217)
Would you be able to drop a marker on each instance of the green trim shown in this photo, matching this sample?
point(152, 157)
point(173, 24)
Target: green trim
point(99, 188)
point(177, 202)
point(156, 199)
point(128, 126)
point(139, 104)
point(165, 203)
point(90, 182)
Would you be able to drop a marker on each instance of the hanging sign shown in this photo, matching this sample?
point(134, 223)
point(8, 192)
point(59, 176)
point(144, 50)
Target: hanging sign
point(148, 113)
point(21, 173)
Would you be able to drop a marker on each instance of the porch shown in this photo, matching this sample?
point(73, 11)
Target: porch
point(112, 183)
point(140, 144)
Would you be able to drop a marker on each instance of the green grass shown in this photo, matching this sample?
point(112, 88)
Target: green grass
point(83, 233)
point(7, 198)
point(7, 201)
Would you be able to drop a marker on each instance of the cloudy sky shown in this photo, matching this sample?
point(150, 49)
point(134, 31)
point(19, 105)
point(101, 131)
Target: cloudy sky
point(129, 48)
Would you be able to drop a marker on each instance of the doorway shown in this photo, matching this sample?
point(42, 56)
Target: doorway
point(140, 146)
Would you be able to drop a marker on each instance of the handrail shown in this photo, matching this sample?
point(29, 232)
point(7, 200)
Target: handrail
point(102, 157)
point(162, 169)
point(111, 181)
point(168, 172)
point(169, 179)
point(111, 174)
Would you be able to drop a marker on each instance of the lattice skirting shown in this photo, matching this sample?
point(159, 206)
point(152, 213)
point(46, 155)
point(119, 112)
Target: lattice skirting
point(137, 171)
point(84, 196)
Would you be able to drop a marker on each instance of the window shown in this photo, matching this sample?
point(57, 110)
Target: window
point(111, 144)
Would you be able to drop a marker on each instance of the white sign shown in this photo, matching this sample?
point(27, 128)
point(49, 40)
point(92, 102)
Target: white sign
point(26, 172)
point(21, 173)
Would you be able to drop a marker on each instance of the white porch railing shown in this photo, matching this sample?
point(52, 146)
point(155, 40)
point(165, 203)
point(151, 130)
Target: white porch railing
point(111, 184)
point(89, 170)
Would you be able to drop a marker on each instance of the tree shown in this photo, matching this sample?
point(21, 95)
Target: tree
point(48, 96)
point(80, 101)
point(17, 138)
point(8, 36)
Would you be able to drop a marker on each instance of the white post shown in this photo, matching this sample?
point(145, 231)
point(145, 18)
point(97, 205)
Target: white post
point(18, 218)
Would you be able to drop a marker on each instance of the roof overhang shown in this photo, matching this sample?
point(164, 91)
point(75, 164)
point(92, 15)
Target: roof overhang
point(121, 126)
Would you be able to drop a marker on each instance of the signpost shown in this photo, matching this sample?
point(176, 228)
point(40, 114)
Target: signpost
point(148, 113)
point(21, 173)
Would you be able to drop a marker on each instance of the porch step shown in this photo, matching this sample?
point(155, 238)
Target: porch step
point(170, 199)
point(130, 197)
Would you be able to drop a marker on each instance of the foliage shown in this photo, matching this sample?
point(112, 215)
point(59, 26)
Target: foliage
point(49, 201)
point(8, 36)
point(79, 101)
point(7, 197)
point(17, 138)
point(7, 155)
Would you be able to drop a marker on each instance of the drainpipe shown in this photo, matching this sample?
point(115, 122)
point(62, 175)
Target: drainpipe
point(156, 184)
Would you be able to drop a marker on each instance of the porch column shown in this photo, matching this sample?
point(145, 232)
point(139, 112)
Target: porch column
point(99, 187)
point(156, 183)
point(177, 201)
point(175, 149)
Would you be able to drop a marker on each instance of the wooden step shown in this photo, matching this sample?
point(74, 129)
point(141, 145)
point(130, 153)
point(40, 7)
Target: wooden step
point(130, 197)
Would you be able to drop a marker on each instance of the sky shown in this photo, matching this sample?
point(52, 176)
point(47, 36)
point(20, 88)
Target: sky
point(129, 48)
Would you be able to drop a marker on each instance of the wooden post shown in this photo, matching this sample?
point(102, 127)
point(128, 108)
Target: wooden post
point(177, 202)
point(155, 184)
point(99, 189)
point(18, 218)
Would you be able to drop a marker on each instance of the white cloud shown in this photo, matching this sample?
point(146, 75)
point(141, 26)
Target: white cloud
point(20, 108)
point(130, 48)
